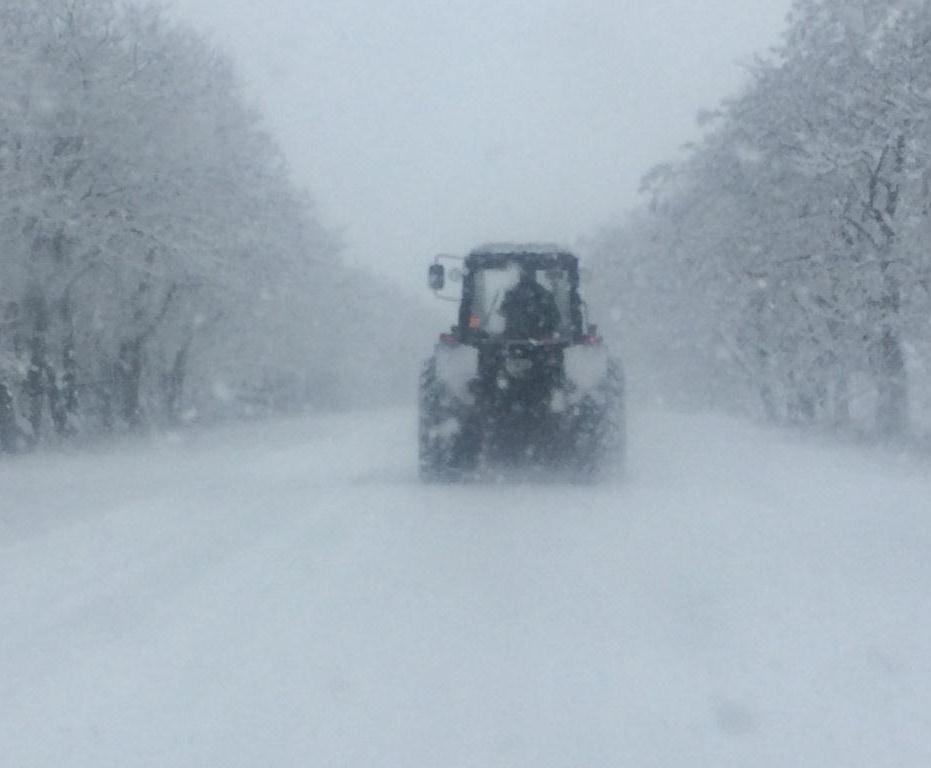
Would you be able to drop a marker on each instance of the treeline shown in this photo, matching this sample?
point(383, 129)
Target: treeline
point(784, 264)
point(156, 262)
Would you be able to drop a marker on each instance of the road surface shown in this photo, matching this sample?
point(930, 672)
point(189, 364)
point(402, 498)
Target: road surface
point(288, 594)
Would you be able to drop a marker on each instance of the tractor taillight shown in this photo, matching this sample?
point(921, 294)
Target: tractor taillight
point(591, 337)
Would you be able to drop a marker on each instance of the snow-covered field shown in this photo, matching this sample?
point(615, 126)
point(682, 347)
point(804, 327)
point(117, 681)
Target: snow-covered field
point(289, 595)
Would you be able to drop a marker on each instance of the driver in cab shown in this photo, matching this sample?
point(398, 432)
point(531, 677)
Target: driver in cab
point(529, 309)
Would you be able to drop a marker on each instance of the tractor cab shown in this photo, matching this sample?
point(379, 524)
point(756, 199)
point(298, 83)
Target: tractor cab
point(499, 282)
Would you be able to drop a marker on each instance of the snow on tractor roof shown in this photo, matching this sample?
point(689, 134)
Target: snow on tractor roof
point(515, 249)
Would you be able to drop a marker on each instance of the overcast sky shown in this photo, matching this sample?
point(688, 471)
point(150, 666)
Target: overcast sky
point(424, 127)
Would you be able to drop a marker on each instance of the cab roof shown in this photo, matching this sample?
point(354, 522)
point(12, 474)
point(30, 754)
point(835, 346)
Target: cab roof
point(543, 254)
point(520, 249)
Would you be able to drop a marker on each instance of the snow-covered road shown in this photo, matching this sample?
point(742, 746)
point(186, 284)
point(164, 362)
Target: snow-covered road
point(290, 595)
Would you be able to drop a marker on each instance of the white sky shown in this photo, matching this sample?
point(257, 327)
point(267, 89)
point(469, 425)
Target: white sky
point(424, 127)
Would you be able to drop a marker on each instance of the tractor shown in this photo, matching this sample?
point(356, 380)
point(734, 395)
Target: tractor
point(522, 383)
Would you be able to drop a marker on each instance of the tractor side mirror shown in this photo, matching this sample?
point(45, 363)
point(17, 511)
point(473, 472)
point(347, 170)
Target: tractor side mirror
point(437, 277)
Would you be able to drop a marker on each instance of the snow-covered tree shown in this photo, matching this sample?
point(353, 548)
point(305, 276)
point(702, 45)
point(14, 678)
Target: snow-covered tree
point(793, 233)
point(156, 257)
